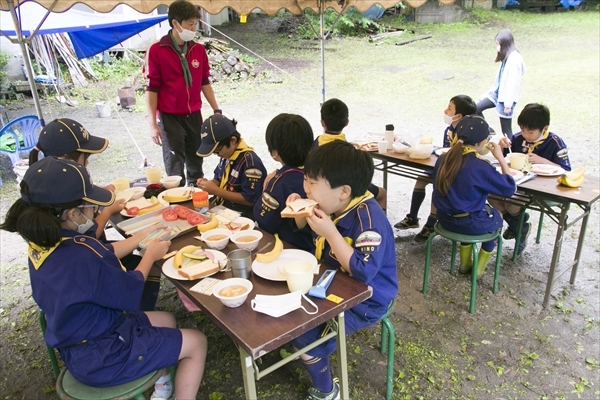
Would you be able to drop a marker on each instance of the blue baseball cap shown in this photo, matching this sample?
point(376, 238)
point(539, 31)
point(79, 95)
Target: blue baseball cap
point(214, 129)
point(472, 129)
point(54, 181)
point(64, 135)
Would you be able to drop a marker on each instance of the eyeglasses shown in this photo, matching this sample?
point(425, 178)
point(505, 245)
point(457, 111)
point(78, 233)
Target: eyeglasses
point(218, 149)
point(95, 207)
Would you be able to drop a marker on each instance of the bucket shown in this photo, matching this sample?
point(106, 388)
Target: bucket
point(127, 96)
point(103, 108)
point(242, 18)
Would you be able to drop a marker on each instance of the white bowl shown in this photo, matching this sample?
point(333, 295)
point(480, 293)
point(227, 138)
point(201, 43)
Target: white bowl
point(246, 245)
point(232, 301)
point(216, 244)
point(136, 192)
point(171, 181)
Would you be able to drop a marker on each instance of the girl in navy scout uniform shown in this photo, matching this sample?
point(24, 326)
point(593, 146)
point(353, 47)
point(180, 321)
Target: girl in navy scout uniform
point(91, 303)
point(289, 139)
point(352, 233)
point(461, 185)
point(239, 176)
point(541, 147)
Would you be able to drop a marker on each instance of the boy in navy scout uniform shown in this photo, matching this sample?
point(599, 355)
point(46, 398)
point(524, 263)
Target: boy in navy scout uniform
point(91, 303)
point(458, 107)
point(239, 176)
point(289, 139)
point(541, 147)
point(462, 183)
point(351, 233)
point(334, 118)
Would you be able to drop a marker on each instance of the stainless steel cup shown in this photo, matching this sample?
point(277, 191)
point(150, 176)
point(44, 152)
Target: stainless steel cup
point(240, 262)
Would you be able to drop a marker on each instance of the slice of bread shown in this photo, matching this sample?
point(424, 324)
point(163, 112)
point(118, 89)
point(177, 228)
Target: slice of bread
point(199, 270)
point(299, 208)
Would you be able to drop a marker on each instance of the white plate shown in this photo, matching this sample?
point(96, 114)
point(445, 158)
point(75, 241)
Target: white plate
point(547, 170)
point(123, 194)
point(515, 173)
point(271, 271)
point(443, 150)
point(169, 270)
point(141, 203)
point(239, 220)
point(178, 191)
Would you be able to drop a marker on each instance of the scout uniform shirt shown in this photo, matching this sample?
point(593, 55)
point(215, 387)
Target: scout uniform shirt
point(267, 211)
point(367, 229)
point(551, 147)
point(243, 173)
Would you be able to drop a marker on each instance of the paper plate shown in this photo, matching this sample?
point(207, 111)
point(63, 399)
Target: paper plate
point(547, 170)
point(239, 220)
point(515, 173)
point(271, 271)
point(123, 195)
point(169, 270)
point(140, 203)
point(178, 191)
point(443, 150)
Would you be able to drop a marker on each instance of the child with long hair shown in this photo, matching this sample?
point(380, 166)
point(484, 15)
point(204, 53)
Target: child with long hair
point(462, 183)
point(504, 93)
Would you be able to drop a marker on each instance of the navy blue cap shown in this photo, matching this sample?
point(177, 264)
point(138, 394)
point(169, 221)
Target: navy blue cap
point(55, 181)
point(214, 129)
point(472, 129)
point(64, 135)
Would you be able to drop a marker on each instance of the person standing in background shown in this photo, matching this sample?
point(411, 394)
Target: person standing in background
point(504, 93)
point(177, 71)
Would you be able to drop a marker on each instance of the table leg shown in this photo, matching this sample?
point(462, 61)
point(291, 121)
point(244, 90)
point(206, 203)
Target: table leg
point(385, 177)
point(248, 375)
point(342, 360)
point(579, 246)
point(556, 252)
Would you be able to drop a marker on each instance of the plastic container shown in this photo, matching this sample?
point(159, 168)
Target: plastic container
point(153, 175)
point(200, 200)
point(389, 136)
point(103, 108)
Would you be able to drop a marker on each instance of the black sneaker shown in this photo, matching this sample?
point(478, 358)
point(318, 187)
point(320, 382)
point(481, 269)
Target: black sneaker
point(424, 234)
point(509, 234)
point(407, 223)
point(316, 394)
point(524, 235)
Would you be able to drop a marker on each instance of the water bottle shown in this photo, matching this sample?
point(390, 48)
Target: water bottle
point(389, 136)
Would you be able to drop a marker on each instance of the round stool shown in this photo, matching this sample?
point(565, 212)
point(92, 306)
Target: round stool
point(473, 240)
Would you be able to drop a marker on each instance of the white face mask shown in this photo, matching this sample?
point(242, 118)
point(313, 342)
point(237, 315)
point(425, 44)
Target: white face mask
point(448, 120)
point(276, 306)
point(185, 34)
point(83, 228)
point(498, 47)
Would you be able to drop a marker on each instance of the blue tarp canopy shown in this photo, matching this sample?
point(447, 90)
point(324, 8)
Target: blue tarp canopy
point(90, 33)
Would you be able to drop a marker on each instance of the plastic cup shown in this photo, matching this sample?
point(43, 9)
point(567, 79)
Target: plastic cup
point(517, 160)
point(200, 200)
point(382, 146)
point(153, 175)
point(121, 184)
point(299, 276)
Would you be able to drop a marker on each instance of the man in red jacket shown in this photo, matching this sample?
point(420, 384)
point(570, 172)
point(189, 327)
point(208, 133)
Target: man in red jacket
point(177, 70)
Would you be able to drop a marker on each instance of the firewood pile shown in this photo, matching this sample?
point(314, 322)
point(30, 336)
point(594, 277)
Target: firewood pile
point(225, 62)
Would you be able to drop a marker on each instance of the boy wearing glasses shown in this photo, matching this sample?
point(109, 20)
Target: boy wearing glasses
point(239, 176)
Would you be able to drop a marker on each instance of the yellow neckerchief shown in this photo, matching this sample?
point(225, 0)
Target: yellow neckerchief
point(468, 149)
point(38, 254)
point(452, 138)
point(538, 142)
point(355, 202)
point(330, 137)
point(242, 147)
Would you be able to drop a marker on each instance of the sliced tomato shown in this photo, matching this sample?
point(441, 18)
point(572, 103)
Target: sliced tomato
point(195, 219)
point(169, 215)
point(182, 211)
point(133, 211)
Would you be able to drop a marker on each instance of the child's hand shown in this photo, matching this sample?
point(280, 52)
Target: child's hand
point(157, 249)
point(207, 185)
point(505, 143)
point(496, 150)
point(115, 207)
point(535, 159)
point(507, 110)
point(292, 197)
point(322, 224)
point(110, 187)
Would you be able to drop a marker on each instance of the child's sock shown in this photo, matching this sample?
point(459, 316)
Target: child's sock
point(418, 196)
point(163, 388)
point(318, 368)
point(431, 220)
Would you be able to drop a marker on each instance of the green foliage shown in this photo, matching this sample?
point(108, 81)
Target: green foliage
point(350, 23)
point(3, 64)
point(117, 69)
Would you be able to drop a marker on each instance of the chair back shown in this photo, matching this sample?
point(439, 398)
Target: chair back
point(26, 130)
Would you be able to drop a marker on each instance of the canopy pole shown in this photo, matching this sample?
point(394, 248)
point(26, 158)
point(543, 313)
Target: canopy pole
point(27, 60)
point(322, 25)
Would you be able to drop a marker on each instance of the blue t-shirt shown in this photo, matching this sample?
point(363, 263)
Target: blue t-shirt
point(267, 211)
point(553, 149)
point(373, 262)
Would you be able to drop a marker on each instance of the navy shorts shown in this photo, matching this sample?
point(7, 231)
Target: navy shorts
point(481, 222)
point(129, 350)
point(374, 189)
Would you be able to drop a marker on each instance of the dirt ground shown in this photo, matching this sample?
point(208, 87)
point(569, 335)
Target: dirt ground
point(511, 347)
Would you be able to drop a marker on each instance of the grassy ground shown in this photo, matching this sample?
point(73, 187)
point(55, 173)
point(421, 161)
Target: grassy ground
point(511, 348)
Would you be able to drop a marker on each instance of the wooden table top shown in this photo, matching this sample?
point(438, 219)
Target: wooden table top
point(259, 333)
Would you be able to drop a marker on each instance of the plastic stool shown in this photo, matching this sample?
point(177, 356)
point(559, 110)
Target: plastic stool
point(388, 339)
point(473, 240)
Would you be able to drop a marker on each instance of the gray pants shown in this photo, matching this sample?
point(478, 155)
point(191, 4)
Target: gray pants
point(180, 141)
